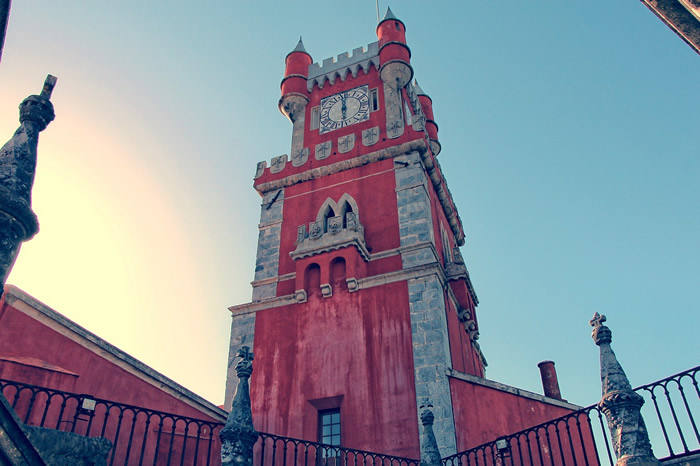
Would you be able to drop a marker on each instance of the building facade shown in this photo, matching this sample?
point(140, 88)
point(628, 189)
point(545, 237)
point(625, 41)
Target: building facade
point(362, 304)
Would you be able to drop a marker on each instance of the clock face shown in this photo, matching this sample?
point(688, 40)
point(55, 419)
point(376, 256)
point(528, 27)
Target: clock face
point(344, 109)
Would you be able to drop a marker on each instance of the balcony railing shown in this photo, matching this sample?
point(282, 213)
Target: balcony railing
point(583, 438)
point(139, 435)
point(275, 450)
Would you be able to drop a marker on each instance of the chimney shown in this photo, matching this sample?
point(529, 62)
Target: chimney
point(550, 384)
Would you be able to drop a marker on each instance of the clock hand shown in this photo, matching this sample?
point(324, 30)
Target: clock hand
point(344, 107)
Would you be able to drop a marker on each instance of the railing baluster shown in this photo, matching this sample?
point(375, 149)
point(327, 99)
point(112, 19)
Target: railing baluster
point(196, 444)
point(144, 442)
point(172, 438)
point(606, 437)
point(687, 409)
point(131, 437)
point(116, 437)
point(675, 419)
point(661, 420)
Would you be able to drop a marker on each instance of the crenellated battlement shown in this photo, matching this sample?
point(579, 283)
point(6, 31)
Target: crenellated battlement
point(332, 68)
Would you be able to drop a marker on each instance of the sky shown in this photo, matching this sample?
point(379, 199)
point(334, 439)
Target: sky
point(569, 142)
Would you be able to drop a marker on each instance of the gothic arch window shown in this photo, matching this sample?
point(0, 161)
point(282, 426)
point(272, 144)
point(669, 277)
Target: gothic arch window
point(345, 204)
point(329, 209)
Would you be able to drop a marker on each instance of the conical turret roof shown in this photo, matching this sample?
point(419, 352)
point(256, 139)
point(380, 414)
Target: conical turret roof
point(299, 48)
point(390, 16)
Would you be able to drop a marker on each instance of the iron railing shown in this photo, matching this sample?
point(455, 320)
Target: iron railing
point(275, 450)
point(582, 437)
point(143, 436)
point(139, 435)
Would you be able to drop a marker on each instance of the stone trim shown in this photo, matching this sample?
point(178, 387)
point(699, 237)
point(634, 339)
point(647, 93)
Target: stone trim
point(278, 278)
point(314, 173)
point(444, 195)
point(66, 327)
point(510, 389)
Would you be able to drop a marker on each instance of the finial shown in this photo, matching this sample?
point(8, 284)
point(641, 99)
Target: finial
point(244, 368)
point(49, 84)
point(38, 108)
point(601, 333)
point(620, 404)
point(429, 452)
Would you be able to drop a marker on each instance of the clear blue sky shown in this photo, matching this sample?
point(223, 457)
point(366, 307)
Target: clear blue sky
point(570, 144)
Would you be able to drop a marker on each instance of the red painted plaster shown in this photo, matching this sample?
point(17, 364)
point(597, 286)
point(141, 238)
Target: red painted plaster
point(355, 345)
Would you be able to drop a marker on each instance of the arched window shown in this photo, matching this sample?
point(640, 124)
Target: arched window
point(338, 274)
point(312, 280)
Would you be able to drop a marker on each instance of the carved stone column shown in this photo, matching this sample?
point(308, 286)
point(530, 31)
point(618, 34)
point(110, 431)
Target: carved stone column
point(429, 452)
point(238, 435)
point(620, 404)
point(18, 222)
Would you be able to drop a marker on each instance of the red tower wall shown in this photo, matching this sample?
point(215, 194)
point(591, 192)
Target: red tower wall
point(352, 351)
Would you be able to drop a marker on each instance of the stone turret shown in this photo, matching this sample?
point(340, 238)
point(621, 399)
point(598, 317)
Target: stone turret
point(621, 404)
point(430, 126)
point(394, 54)
point(18, 222)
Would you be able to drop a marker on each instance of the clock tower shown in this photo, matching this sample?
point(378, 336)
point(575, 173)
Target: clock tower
point(362, 304)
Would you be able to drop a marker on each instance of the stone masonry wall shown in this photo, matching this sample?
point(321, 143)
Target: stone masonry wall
point(268, 256)
point(431, 355)
point(242, 332)
point(266, 267)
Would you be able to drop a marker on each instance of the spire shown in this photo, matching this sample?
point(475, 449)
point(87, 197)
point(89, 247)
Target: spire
point(299, 48)
point(390, 16)
point(418, 89)
point(18, 156)
point(620, 404)
point(429, 452)
point(238, 435)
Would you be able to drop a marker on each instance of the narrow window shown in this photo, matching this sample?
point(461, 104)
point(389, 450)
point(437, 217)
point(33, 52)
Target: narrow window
point(329, 430)
point(374, 100)
point(315, 117)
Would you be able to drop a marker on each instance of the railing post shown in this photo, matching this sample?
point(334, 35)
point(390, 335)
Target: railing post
point(238, 435)
point(429, 452)
point(621, 404)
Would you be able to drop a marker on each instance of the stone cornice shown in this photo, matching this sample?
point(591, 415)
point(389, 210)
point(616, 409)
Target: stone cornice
point(418, 145)
point(510, 389)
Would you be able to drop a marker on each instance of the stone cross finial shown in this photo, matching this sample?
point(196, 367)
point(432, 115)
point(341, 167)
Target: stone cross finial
point(49, 84)
point(238, 435)
point(18, 222)
point(620, 404)
point(429, 452)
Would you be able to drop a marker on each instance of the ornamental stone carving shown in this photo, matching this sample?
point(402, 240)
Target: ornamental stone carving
point(346, 143)
point(18, 222)
point(238, 435)
point(620, 404)
point(370, 136)
point(301, 233)
point(323, 150)
point(429, 452)
point(300, 157)
point(278, 164)
point(260, 169)
point(315, 230)
point(330, 232)
point(335, 224)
